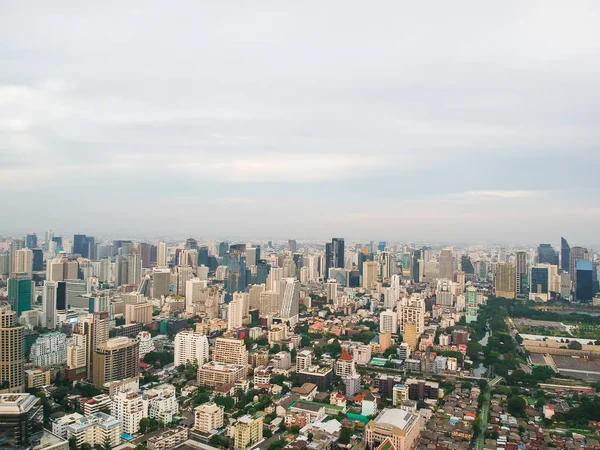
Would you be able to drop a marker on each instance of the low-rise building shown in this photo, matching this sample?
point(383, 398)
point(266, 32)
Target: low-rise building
point(162, 402)
point(96, 404)
point(37, 378)
point(95, 429)
point(208, 417)
point(59, 425)
point(169, 439)
point(399, 426)
point(216, 373)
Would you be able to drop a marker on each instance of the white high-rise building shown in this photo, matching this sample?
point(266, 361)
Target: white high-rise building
point(49, 349)
point(129, 408)
point(161, 254)
point(331, 289)
point(190, 347)
point(274, 278)
point(134, 268)
point(412, 310)
point(24, 261)
point(388, 322)
point(270, 303)
point(49, 313)
point(290, 300)
point(234, 314)
point(254, 295)
point(77, 352)
point(162, 403)
point(303, 360)
point(146, 343)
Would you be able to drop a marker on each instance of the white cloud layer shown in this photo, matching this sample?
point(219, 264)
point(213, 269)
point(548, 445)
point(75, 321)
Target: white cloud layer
point(406, 121)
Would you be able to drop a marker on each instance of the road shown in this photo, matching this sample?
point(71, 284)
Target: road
point(484, 416)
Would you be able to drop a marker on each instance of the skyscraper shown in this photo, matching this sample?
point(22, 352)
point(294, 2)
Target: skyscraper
point(15, 245)
point(290, 300)
point(370, 274)
point(117, 359)
point(292, 245)
point(31, 240)
point(521, 273)
point(565, 254)
point(547, 255)
point(49, 311)
point(81, 245)
point(446, 264)
point(584, 291)
point(505, 280)
point(12, 355)
point(20, 292)
point(576, 254)
point(334, 254)
point(161, 254)
point(540, 279)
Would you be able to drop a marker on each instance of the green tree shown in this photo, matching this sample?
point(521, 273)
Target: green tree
point(575, 345)
point(516, 406)
point(476, 425)
point(345, 435)
point(144, 425)
point(226, 402)
point(73, 443)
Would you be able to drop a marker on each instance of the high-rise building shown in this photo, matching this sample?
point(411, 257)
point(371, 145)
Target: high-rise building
point(190, 348)
point(139, 313)
point(334, 254)
point(129, 408)
point(446, 268)
point(540, 281)
point(24, 261)
point(161, 254)
point(412, 311)
point(20, 292)
point(236, 269)
point(292, 245)
point(576, 254)
point(115, 360)
point(12, 352)
point(505, 280)
point(410, 335)
point(231, 351)
point(565, 254)
point(521, 282)
point(96, 329)
point(208, 417)
point(235, 314)
point(584, 291)
point(547, 255)
point(15, 245)
point(161, 282)
point(38, 260)
point(370, 274)
point(31, 241)
point(345, 365)
point(134, 268)
point(388, 321)
point(290, 300)
point(49, 311)
point(248, 430)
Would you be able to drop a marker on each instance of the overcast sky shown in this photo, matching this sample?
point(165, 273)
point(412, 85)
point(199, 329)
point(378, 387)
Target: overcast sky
point(472, 121)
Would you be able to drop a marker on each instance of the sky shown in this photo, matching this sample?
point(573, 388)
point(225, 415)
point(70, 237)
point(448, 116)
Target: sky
point(464, 120)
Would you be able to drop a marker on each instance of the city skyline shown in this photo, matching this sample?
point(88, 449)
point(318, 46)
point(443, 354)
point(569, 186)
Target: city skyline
point(476, 128)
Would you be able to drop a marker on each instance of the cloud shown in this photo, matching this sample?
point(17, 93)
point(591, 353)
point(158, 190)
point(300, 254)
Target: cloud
point(416, 127)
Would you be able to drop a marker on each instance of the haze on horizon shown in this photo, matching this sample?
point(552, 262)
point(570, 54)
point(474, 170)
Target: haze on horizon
point(466, 121)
